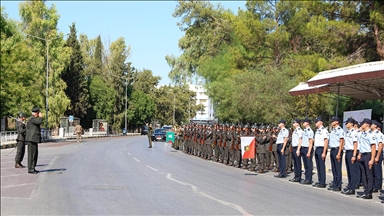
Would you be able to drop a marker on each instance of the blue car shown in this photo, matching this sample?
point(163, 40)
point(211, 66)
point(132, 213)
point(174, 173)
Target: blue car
point(159, 135)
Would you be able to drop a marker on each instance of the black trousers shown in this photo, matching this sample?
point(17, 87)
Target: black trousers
point(353, 170)
point(20, 151)
point(33, 152)
point(320, 165)
point(378, 173)
point(296, 163)
point(282, 162)
point(308, 164)
point(336, 167)
point(367, 174)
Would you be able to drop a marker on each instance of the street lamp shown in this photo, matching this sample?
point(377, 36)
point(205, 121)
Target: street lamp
point(46, 85)
point(126, 97)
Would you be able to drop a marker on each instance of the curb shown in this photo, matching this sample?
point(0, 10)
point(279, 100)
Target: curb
point(13, 145)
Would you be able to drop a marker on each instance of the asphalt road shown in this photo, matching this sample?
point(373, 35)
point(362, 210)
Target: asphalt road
point(121, 176)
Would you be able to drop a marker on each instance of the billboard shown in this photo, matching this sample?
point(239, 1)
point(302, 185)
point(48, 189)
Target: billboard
point(358, 115)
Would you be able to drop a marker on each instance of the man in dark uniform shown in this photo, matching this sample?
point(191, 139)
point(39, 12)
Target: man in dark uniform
point(215, 143)
point(237, 150)
point(149, 135)
point(208, 143)
point(21, 130)
point(274, 154)
point(33, 137)
point(267, 147)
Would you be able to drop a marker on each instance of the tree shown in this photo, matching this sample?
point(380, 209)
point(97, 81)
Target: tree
point(73, 75)
point(142, 108)
point(40, 21)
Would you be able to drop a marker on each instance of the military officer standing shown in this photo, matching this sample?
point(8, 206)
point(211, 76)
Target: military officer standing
point(33, 137)
point(281, 142)
point(274, 154)
point(350, 147)
point(336, 144)
point(261, 140)
point(306, 151)
point(321, 146)
point(377, 166)
point(21, 131)
point(367, 153)
point(149, 135)
point(297, 137)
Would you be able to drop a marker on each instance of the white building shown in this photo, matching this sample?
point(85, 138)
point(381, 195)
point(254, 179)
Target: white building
point(202, 98)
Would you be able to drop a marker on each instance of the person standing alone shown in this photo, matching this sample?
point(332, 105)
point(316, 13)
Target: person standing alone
point(149, 135)
point(33, 137)
point(21, 130)
point(78, 131)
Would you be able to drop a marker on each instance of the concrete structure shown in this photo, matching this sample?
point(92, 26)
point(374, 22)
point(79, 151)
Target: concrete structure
point(202, 98)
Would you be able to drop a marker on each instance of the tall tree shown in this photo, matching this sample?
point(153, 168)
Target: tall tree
point(40, 24)
point(74, 76)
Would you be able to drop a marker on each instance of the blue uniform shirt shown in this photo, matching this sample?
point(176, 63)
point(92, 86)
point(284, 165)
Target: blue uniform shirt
point(296, 136)
point(378, 138)
point(365, 142)
point(282, 134)
point(307, 135)
point(335, 136)
point(320, 136)
point(350, 138)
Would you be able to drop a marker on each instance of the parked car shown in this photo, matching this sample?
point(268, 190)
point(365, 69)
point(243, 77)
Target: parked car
point(144, 130)
point(167, 128)
point(159, 134)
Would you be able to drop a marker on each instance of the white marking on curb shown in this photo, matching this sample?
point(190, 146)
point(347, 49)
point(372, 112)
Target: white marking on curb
point(197, 192)
point(136, 159)
point(9, 186)
point(152, 168)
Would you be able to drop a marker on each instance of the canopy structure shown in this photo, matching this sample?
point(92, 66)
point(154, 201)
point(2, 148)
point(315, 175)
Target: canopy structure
point(362, 81)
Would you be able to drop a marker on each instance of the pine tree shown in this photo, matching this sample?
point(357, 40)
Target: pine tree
point(77, 90)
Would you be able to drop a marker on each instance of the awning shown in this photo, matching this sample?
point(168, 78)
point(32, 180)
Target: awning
point(362, 81)
point(304, 89)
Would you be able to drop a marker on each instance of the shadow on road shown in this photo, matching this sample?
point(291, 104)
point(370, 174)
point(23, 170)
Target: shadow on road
point(53, 170)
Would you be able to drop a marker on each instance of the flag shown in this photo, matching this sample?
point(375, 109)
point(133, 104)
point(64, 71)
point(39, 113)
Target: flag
point(170, 137)
point(248, 147)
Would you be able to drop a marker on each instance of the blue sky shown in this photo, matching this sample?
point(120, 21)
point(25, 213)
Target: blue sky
point(147, 26)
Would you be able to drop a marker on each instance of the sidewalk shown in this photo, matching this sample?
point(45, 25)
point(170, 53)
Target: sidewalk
point(12, 144)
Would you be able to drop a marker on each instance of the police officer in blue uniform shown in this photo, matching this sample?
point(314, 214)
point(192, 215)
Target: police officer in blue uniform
point(321, 145)
point(353, 168)
point(281, 143)
point(367, 151)
point(297, 137)
point(306, 151)
point(336, 144)
point(377, 166)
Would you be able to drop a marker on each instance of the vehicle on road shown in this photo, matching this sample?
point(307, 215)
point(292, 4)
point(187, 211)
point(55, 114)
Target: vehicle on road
point(167, 128)
point(159, 135)
point(144, 130)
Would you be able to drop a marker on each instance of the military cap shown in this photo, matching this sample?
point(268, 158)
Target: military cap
point(296, 121)
point(335, 118)
point(318, 119)
point(374, 122)
point(350, 120)
point(21, 114)
point(307, 120)
point(366, 120)
point(36, 109)
point(282, 121)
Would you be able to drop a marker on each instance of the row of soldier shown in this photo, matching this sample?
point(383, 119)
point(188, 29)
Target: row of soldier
point(282, 149)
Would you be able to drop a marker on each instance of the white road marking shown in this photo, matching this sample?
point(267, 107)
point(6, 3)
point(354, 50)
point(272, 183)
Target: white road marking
point(197, 192)
point(152, 168)
point(128, 153)
point(136, 159)
point(9, 186)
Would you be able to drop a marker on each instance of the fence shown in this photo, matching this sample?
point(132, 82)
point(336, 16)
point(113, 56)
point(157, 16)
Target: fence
point(7, 136)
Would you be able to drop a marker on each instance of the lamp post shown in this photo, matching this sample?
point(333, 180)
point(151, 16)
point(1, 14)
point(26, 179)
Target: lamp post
point(47, 75)
point(126, 97)
point(174, 98)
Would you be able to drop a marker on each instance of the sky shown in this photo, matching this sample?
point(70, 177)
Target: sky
point(147, 27)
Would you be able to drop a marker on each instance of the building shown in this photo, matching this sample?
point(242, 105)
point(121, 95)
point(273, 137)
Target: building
point(202, 98)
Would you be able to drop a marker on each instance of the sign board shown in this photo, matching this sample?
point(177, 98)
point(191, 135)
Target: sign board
point(170, 137)
point(70, 118)
point(358, 115)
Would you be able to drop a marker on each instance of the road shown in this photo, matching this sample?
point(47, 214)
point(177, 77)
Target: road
point(121, 176)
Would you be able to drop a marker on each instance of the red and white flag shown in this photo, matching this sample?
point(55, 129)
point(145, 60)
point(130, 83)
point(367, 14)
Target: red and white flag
point(248, 147)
